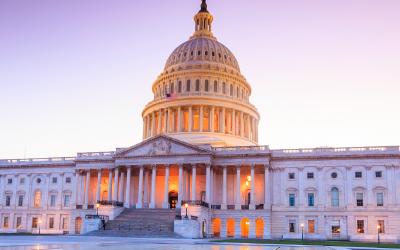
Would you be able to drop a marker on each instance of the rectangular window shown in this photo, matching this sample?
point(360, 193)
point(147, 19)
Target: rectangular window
point(8, 200)
point(9, 181)
point(223, 88)
point(206, 86)
point(5, 222)
point(188, 86)
point(310, 175)
point(51, 222)
point(22, 181)
point(378, 174)
point(231, 90)
point(358, 174)
point(20, 200)
point(381, 226)
point(68, 180)
point(19, 222)
point(335, 229)
point(53, 200)
point(67, 199)
point(311, 226)
point(54, 180)
point(65, 223)
point(34, 222)
point(292, 226)
point(171, 87)
point(179, 86)
point(291, 176)
point(310, 199)
point(292, 200)
point(379, 199)
point(197, 85)
point(215, 86)
point(360, 199)
point(360, 226)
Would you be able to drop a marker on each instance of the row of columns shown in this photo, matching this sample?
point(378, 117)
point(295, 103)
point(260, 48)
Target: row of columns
point(119, 180)
point(242, 124)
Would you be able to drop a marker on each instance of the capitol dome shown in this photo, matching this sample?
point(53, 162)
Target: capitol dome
point(201, 97)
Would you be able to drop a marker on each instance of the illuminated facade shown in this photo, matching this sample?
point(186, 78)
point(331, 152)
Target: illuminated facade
point(201, 148)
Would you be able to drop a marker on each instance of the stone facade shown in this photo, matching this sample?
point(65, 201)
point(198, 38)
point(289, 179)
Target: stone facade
point(201, 151)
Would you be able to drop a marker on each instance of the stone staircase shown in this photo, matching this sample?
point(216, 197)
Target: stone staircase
point(141, 223)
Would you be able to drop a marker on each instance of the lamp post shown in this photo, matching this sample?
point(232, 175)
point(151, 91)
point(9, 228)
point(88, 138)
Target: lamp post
point(302, 231)
point(379, 231)
point(186, 207)
point(39, 222)
point(97, 209)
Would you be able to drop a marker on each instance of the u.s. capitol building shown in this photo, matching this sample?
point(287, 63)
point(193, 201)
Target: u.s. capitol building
point(200, 161)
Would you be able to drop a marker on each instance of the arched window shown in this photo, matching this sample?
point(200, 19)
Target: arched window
point(215, 86)
point(335, 197)
point(197, 85)
point(37, 199)
point(188, 86)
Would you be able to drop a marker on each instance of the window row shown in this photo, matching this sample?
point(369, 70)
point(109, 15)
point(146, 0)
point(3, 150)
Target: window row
point(36, 222)
point(39, 180)
point(334, 175)
point(166, 90)
point(310, 227)
point(334, 195)
point(37, 200)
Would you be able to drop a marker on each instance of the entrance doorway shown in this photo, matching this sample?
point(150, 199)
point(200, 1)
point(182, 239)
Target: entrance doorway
point(172, 199)
point(78, 225)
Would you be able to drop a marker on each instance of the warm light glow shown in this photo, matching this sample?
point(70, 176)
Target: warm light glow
point(97, 205)
point(186, 205)
point(247, 223)
point(248, 178)
point(302, 225)
point(40, 221)
point(247, 183)
point(378, 227)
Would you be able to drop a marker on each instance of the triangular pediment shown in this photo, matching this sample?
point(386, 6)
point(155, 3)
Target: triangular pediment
point(161, 146)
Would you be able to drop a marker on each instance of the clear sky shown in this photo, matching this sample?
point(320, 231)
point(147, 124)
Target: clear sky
point(75, 75)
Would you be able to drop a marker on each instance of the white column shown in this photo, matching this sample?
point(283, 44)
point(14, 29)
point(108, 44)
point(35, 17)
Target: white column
point(121, 188)
point(87, 188)
point(233, 122)
point(153, 124)
point(180, 186)
point(302, 198)
point(267, 188)
point(166, 186)
point(115, 191)
point(252, 197)
point(238, 203)
point(212, 119)
point(193, 182)
point(179, 120)
point(208, 183)
point(153, 187)
point(201, 119)
point(241, 124)
point(159, 127)
point(139, 203)
point(224, 194)
point(109, 192)
point(190, 119)
point(127, 202)
point(223, 121)
point(98, 185)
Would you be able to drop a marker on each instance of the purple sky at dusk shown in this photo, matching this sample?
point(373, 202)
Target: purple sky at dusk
point(75, 75)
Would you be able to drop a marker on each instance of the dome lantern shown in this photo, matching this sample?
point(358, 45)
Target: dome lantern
point(203, 20)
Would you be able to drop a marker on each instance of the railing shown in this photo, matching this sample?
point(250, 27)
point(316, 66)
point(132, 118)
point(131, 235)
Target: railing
point(339, 150)
point(36, 160)
point(259, 206)
point(245, 207)
point(196, 203)
point(241, 148)
point(111, 203)
point(216, 207)
point(97, 216)
point(95, 154)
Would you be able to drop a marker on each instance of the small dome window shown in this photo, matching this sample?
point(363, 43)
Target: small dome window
point(198, 52)
point(213, 53)
point(38, 180)
point(191, 53)
point(219, 55)
point(334, 175)
point(206, 53)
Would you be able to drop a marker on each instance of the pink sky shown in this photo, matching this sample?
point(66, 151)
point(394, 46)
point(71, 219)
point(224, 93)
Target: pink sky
point(75, 75)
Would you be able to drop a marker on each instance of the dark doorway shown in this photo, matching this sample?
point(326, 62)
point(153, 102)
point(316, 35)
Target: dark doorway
point(172, 199)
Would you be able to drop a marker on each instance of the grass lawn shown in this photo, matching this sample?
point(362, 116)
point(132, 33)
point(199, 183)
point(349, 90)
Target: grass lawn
point(313, 243)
